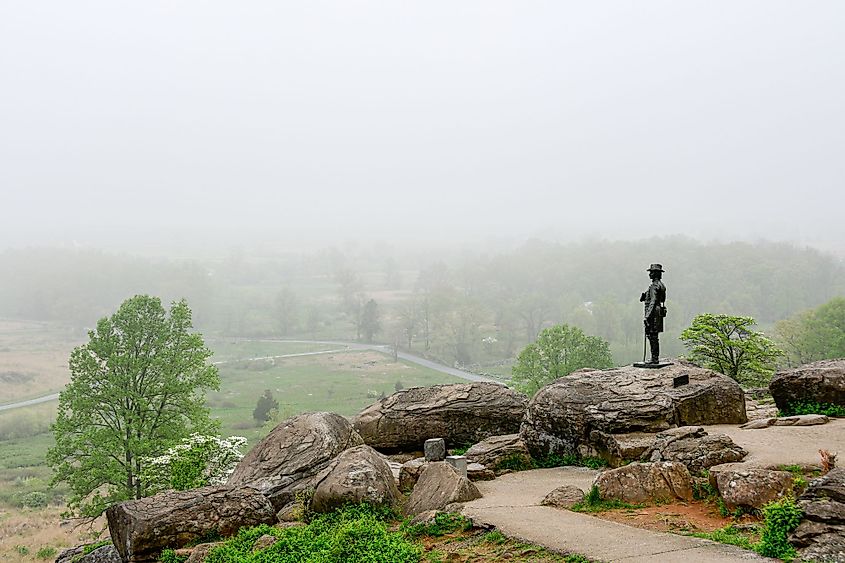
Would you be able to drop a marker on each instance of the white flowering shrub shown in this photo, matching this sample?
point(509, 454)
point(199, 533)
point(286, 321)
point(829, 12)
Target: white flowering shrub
point(198, 461)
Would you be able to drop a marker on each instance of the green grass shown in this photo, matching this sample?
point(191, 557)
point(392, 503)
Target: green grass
point(729, 535)
point(555, 460)
point(444, 523)
point(593, 502)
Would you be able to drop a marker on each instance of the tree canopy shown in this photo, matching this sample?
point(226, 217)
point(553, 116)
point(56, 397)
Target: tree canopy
point(136, 389)
point(729, 345)
point(558, 351)
point(817, 334)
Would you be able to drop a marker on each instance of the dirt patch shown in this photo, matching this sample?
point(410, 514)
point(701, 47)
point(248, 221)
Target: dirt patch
point(363, 362)
point(676, 517)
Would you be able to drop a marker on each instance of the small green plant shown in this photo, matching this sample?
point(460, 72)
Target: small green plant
point(704, 491)
point(722, 507)
point(495, 537)
point(575, 558)
point(515, 462)
point(444, 523)
point(21, 550)
point(780, 518)
point(593, 502)
point(169, 556)
point(34, 499)
point(460, 450)
point(799, 483)
point(827, 409)
point(46, 552)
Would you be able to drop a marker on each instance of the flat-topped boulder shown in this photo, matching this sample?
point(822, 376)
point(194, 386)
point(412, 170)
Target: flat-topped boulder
point(821, 383)
point(496, 449)
point(562, 415)
point(461, 413)
point(289, 458)
point(695, 448)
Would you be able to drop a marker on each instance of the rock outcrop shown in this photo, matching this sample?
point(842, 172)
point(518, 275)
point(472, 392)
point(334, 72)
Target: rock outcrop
point(693, 447)
point(562, 415)
point(141, 529)
point(819, 382)
point(821, 535)
point(646, 482)
point(289, 458)
point(358, 474)
point(491, 451)
point(462, 413)
point(438, 486)
point(750, 488)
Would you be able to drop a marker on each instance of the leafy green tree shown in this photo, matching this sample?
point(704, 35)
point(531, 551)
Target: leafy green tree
point(729, 345)
point(818, 334)
point(559, 351)
point(266, 404)
point(136, 389)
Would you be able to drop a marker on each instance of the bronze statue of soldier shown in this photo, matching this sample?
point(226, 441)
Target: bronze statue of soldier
point(654, 299)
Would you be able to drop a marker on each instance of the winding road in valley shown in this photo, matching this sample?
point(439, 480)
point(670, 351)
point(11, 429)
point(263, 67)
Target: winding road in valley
point(341, 347)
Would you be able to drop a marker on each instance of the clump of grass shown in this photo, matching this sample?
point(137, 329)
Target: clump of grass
point(556, 460)
point(515, 462)
point(729, 535)
point(495, 537)
point(46, 552)
point(593, 502)
point(444, 523)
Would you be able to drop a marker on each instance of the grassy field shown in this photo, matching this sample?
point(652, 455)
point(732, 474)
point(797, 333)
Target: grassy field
point(342, 382)
point(33, 359)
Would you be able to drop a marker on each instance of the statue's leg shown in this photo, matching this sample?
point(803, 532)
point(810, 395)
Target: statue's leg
point(654, 344)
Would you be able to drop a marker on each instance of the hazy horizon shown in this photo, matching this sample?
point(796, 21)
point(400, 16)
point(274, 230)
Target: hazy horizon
point(180, 126)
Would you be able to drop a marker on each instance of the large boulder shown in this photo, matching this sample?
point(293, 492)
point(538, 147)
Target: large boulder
point(819, 382)
point(562, 415)
point(646, 482)
point(141, 529)
point(358, 475)
point(492, 451)
point(103, 554)
point(440, 485)
point(461, 413)
point(289, 458)
point(693, 447)
point(750, 488)
point(821, 535)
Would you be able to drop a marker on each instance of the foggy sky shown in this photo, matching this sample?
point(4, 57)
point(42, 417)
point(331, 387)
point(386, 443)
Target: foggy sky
point(316, 121)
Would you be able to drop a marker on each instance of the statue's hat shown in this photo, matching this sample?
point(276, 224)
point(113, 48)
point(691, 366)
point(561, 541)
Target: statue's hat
point(656, 268)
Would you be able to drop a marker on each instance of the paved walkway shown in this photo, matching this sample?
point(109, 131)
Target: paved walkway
point(511, 503)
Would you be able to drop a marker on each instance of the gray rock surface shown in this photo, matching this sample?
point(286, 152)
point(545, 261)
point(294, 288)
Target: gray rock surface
point(801, 420)
point(289, 458)
point(200, 552)
point(818, 382)
point(141, 529)
point(693, 447)
point(821, 535)
point(410, 473)
point(358, 475)
point(461, 413)
point(747, 488)
point(618, 449)
point(438, 486)
point(562, 415)
point(646, 482)
point(103, 554)
point(478, 472)
point(435, 449)
point(491, 451)
point(564, 496)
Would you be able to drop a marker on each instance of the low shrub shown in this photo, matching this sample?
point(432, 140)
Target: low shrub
point(555, 460)
point(827, 409)
point(780, 518)
point(353, 533)
point(46, 552)
point(34, 499)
